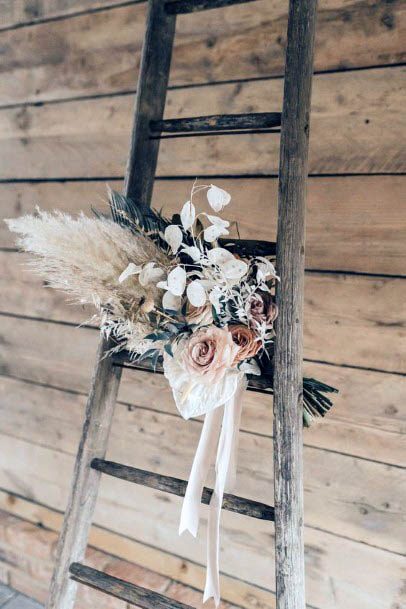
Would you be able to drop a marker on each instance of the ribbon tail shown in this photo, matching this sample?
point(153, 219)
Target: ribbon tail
point(189, 519)
point(226, 459)
point(232, 468)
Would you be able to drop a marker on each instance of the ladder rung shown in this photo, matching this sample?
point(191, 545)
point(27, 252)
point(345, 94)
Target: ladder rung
point(249, 248)
point(171, 136)
point(131, 593)
point(175, 486)
point(218, 122)
point(122, 359)
point(192, 6)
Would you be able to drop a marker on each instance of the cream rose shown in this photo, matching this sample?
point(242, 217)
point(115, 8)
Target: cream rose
point(247, 342)
point(209, 353)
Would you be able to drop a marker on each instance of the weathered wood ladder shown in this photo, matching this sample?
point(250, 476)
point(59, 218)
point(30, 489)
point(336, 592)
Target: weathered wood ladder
point(288, 385)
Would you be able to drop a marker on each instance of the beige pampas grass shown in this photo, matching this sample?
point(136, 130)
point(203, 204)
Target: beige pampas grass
point(85, 256)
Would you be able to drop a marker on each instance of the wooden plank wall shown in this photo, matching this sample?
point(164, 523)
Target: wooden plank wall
point(66, 94)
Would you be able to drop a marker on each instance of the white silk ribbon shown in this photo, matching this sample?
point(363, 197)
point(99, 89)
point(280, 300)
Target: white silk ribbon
point(225, 470)
point(221, 404)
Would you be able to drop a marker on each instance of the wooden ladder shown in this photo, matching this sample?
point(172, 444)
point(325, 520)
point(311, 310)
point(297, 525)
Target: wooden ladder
point(288, 381)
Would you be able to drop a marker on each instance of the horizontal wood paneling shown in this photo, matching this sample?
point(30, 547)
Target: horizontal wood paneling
point(350, 133)
point(156, 441)
point(247, 545)
point(347, 311)
point(83, 56)
point(18, 12)
point(152, 558)
point(353, 458)
point(385, 584)
point(366, 399)
point(353, 222)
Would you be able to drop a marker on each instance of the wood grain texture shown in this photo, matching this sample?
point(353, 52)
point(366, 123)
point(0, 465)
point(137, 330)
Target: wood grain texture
point(135, 595)
point(138, 184)
point(152, 558)
point(184, 7)
point(149, 103)
point(175, 486)
point(347, 316)
point(355, 223)
point(85, 481)
point(217, 122)
point(331, 559)
point(343, 495)
point(288, 359)
point(16, 13)
point(89, 138)
point(377, 433)
point(352, 428)
point(385, 584)
point(79, 56)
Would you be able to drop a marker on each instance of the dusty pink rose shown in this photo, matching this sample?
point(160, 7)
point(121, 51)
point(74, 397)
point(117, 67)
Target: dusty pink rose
point(262, 308)
point(209, 353)
point(246, 340)
point(199, 315)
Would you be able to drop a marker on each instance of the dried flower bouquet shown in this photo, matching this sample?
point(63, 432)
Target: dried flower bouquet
point(168, 289)
point(182, 293)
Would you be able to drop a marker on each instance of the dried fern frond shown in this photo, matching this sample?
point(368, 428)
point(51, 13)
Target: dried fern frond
point(130, 215)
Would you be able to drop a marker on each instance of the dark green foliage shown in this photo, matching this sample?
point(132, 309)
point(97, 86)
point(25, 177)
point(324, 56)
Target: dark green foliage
point(130, 215)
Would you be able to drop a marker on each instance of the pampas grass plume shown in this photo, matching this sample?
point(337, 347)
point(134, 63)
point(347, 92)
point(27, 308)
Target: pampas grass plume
point(85, 256)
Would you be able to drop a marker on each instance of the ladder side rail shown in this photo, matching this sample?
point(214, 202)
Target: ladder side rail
point(288, 376)
point(85, 484)
point(140, 173)
point(149, 103)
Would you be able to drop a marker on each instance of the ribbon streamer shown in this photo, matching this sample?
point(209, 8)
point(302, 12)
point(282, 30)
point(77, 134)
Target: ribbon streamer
point(225, 470)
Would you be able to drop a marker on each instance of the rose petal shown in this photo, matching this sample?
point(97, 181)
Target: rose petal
point(177, 281)
point(187, 215)
point(173, 237)
point(196, 293)
point(217, 198)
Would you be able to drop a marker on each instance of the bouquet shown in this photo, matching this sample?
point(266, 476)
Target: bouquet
point(182, 293)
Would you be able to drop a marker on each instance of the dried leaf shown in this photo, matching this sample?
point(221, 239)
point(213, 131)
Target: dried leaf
point(214, 232)
point(173, 236)
point(171, 302)
point(219, 255)
point(177, 281)
point(217, 198)
point(131, 269)
point(196, 293)
point(234, 269)
point(151, 274)
point(217, 221)
point(193, 252)
point(187, 215)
